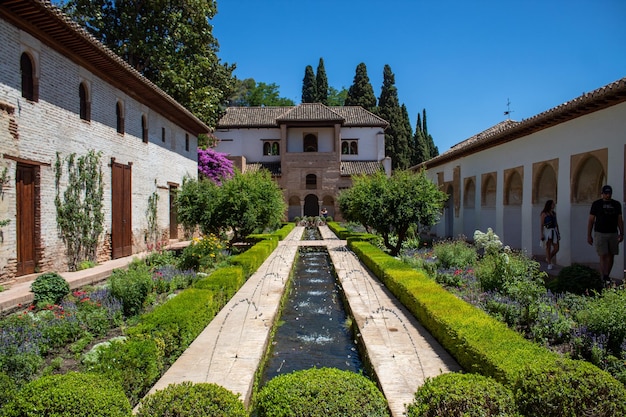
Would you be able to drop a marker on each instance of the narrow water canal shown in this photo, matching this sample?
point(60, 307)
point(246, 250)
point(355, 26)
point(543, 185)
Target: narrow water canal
point(312, 330)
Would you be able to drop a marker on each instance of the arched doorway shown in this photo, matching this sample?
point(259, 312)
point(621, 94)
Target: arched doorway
point(311, 206)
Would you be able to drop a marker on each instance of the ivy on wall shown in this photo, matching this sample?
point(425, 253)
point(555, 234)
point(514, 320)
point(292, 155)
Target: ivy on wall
point(80, 215)
point(151, 216)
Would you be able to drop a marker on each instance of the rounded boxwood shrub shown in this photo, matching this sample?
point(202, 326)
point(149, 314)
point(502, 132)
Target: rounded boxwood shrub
point(569, 388)
point(135, 364)
point(467, 395)
point(49, 288)
point(69, 395)
point(577, 279)
point(190, 400)
point(321, 392)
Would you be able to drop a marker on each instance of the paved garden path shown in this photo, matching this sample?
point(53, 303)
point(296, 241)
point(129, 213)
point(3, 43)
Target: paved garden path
point(229, 351)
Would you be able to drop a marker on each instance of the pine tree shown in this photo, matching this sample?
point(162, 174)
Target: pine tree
point(361, 92)
point(396, 135)
point(309, 86)
point(322, 83)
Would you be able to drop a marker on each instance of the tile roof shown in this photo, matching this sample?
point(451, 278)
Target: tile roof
point(273, 167)
point(315, 113)
point(360, 167)
point(52, 27)
point(607, 96)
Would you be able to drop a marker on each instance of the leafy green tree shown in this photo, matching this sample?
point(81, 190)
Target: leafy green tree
point(249, 93)
point(321, 82)
point(392, 205)
point(242, 205)
point(396, 135)
point(169, 42)
point(361, 92)
point(309, 86)
point(337, 97)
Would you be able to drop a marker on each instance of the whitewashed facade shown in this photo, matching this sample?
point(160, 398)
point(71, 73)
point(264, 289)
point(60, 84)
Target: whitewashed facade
point(312, 150)
point(78, 97)
point(502, 177)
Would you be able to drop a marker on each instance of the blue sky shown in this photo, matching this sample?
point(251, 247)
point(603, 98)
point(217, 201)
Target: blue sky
point(460, 60)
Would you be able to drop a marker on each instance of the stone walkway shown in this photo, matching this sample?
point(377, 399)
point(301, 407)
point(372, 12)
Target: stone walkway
point(229, 351)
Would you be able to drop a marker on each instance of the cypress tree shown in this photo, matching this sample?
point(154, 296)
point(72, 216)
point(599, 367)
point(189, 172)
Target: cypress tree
point(432, 149)
point(361, 92)
point(322, 83)
point(422, 151)
point(396, 135)
point(309, 86)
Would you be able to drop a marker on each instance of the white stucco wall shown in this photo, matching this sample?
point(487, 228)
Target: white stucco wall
point(519, 226)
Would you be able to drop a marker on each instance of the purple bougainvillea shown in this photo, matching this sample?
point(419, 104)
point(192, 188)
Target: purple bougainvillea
point(214, 165)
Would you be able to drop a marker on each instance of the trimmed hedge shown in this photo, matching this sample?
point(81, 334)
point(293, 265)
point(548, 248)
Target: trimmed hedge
point(69, 395)
point(480, 343)
point(324, 392)
point(191, 400)
point(468, 395)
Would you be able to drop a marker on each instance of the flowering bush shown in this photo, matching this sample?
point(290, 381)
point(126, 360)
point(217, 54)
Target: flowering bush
point(214, 165)
point(202, 254)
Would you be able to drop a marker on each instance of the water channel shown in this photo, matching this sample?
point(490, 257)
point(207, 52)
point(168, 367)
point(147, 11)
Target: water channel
point(313, 329)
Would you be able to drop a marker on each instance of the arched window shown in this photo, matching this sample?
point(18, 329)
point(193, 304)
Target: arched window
point(311, 182)
point(354, 147)
point(267, 148)
point(144, 128)
point(85, 103)
point(310, 143)
point(119, 114)
point(275, 148)
point(29, 88)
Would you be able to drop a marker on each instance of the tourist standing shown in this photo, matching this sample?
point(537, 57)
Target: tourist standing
point(550, 235)
point(605, 218)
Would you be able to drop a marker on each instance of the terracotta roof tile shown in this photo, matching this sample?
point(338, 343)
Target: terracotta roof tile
point(607, 96)
point(273, 167)
point(360, 167)
point(266, 117)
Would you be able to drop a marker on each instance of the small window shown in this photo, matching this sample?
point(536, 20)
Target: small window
point(85, 104)
point(311, 182)
point(350, 147)
point(29, 89)
point(271, 148)
point(310, 143)
point(187, 142)
point(119, 114)
point(144, 128)
point(163, 134)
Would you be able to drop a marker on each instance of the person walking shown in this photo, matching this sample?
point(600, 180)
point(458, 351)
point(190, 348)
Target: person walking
point(605, 219)
point(549, 232)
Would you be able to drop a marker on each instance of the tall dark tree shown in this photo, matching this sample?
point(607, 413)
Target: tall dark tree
point(421, 151)
point(432, 148)
point(174, 48)
point(396, 135)
point(361, 92)
point(321, 81)
point(309, 86)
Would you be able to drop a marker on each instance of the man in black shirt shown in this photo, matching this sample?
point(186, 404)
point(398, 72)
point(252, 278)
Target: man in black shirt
point(605, 218)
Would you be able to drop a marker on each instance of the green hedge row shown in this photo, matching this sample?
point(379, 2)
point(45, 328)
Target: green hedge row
point(132, 365)
point(483, 345)
point(345, 234)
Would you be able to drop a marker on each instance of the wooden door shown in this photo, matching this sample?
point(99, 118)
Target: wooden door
point(121, 219)
point(25, 221)
point(173, 214)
